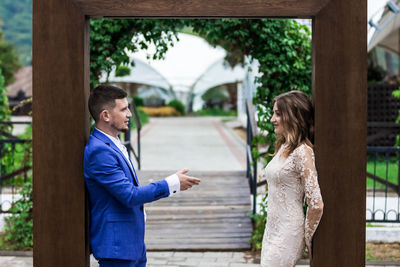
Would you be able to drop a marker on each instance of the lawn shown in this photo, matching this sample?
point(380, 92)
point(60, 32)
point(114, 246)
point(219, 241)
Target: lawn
point(382, 169)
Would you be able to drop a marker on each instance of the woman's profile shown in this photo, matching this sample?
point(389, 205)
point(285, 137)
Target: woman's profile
point(292, 180)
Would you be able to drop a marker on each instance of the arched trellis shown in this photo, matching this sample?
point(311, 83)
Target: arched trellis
point(61, 120)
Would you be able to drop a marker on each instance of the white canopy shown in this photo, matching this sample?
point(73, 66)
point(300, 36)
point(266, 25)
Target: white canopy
point(387, 27)
point(189, 58)
point(217, 74)
point(142, 73)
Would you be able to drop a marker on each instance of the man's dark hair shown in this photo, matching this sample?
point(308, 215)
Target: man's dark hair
point(103, 97)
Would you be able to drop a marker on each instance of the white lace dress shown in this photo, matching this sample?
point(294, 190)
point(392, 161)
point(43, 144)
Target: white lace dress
point(290, 181)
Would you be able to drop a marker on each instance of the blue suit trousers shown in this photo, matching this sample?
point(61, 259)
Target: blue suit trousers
point(122, 263)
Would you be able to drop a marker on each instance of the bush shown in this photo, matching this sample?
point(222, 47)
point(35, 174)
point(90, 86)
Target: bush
point(122, 70)
point(18, 232)
point(216, 111)
point(161, 111)
point(260, 220)
point(143, 118)
point(178, 105)
point(138, 101)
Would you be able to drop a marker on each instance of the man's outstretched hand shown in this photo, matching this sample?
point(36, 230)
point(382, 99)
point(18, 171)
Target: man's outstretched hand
point(185, 180)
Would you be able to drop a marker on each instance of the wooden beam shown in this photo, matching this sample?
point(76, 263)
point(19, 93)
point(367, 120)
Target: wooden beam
point(60, 90)
point(60, 126)
point(201, 8)
point(340, 96)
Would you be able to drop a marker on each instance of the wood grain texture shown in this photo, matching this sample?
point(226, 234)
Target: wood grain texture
point(340, 90)
point(201, 8)
point(211, 216)
point(60, 86)
point(60, 124)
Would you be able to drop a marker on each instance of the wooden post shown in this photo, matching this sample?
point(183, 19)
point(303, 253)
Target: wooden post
point(60, 90)
point(60, 127)
point(340, 96)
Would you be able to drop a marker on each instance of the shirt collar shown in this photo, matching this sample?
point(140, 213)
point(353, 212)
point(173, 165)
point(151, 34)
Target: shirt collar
point(116, 141)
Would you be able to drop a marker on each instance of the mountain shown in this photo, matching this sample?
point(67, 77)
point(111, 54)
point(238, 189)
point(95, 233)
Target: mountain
point(16, 23)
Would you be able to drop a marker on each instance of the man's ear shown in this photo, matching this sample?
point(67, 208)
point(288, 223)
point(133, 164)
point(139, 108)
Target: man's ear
point(105, 115)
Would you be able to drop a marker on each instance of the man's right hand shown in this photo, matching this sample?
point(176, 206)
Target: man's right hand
point(185, 180)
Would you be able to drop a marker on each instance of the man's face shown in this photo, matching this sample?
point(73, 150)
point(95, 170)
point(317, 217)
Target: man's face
point(120, 115)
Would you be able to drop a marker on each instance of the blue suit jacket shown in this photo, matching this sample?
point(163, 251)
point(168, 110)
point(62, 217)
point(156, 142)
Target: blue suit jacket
point(116, 201)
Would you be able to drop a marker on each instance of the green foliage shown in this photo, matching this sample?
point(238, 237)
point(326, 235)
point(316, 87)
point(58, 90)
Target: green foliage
point(260, 219)
point(375, 73)
point(5, 113)
point(6, 157)
point(110, 39)
point(18, 232)
point(281, 46)
point(138, 101)
point(9, 62)
point(382, 167)
point(396, 94)
point(18, 228)
point(178, 105)
point(216, 111)
point(215, 96)
point(143, 118)
point(122, 70)
point(16, 17)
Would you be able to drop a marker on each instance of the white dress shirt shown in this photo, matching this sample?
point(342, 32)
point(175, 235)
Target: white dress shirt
point(173, 181)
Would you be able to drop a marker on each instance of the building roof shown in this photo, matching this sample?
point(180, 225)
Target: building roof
point(22, 83)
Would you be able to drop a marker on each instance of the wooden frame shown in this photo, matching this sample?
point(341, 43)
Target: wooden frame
point(61, 86)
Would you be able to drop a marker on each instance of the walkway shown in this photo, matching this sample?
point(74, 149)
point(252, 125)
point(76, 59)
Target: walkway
point(187, 259)
point(196, 143)
point(212, 216)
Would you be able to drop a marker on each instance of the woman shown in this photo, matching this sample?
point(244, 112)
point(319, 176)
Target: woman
point(291, 178)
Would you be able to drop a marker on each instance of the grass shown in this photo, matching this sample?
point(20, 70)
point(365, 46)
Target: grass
point(216, 112)
point(382, 251)
point(382, 167)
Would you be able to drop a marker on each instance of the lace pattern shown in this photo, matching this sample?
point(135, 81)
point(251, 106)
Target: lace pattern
point(291, 181)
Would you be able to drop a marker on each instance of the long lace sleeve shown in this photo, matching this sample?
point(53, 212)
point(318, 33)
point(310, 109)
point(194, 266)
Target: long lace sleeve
point(312, 191)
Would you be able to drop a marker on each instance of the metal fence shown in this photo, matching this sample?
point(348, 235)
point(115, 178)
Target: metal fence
point(383, 184)
point(15, 166)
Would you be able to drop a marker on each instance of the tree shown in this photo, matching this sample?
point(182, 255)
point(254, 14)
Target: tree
point(5, 113)
point(281, 46)
point(111, 39)
point(17, 25)
point(9, 61)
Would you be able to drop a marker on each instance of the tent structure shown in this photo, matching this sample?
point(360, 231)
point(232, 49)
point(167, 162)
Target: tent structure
point(141, 73)
point(385, 24)
point(217, 74)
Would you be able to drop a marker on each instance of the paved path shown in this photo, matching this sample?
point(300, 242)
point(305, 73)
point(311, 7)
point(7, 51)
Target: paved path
point(196, 143)
point(212, 216)
point(187, 259)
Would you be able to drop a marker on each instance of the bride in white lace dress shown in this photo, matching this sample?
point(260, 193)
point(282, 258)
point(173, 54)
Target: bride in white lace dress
point(292, 179)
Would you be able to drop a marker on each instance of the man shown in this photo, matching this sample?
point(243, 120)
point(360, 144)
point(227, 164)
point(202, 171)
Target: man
point(115, 196)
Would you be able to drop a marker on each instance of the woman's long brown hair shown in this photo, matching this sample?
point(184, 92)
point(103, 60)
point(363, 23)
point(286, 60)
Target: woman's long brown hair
point(297, 118)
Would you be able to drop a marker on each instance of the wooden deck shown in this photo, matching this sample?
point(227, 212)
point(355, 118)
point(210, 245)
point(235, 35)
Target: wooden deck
point(211, 216)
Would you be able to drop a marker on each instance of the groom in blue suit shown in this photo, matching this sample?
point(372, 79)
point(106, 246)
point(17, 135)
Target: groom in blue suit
point(116, 199)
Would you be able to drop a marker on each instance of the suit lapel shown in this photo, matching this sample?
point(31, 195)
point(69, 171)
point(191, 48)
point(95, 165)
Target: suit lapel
point(96, 133)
